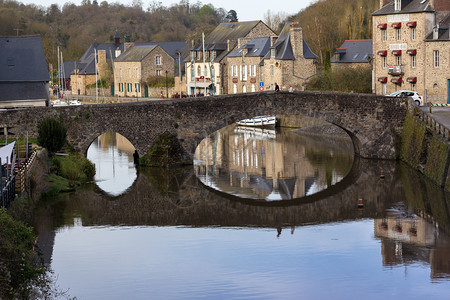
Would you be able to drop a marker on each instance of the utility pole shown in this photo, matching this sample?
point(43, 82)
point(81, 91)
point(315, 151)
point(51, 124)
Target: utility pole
point(17, 31)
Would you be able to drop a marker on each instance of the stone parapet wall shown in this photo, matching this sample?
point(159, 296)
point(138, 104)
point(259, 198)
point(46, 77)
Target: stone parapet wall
point(374, 123)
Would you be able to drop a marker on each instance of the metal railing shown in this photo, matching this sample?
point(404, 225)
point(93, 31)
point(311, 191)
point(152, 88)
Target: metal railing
point(430, 121)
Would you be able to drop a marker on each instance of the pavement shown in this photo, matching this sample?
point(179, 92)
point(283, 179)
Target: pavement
point(440, 114)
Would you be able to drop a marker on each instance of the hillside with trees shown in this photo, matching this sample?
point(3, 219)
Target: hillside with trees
point(74, 27)
point(328, 23)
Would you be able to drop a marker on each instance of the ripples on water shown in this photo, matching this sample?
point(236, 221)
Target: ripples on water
point(167, 237)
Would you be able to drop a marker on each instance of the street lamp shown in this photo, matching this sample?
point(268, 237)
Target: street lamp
point(167, 89)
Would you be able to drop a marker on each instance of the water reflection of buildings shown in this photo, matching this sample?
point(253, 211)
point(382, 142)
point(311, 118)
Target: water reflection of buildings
point(264, 164)
point(407, 238)
point(109, 138)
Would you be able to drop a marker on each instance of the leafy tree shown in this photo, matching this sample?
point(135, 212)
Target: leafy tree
point(231, 16)
point(51, 134)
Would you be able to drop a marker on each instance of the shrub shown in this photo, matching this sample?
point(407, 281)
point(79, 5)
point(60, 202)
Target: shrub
point(356, 80)
point(160, 81)
point(51, 134)
point(73, 167)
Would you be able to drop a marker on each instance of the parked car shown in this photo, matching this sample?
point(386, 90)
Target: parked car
point(415, 96)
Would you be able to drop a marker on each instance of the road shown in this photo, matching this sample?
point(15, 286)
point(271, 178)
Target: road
point(440, 114)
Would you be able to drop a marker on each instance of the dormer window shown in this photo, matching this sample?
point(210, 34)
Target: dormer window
point(397, 5)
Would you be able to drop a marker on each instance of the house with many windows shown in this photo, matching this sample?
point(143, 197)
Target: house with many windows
point(261, 62)
point(134, 66)
point(207, 70)
point(411, 48)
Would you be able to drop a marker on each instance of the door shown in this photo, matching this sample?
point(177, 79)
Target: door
point(112, 91)
point(146, 91)
point(448, 86)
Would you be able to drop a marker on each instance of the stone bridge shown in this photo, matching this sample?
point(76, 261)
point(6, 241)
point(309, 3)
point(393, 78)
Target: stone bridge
point(373, 122)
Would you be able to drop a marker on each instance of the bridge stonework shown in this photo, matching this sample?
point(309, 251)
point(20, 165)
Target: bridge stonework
point(373, 122)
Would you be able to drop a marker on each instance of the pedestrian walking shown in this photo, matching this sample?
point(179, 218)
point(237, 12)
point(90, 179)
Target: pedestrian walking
point(277, 88)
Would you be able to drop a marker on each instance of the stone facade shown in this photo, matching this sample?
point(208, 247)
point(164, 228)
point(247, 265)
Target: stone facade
point(131, 73)
point(403, 58)
point(374, 123)
point(437, 78)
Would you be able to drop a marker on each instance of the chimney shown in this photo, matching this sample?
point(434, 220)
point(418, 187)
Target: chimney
point(273, 38)
point(296, 35)
point(116, 39)
point(383, 3)
point(127, 45)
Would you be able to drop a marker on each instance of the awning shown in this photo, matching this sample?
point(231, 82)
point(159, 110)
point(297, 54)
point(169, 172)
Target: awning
point(411, 52)
point(397, 25)
point(198, 84)
point(7, 152)
point(397, 52)
point(411, 24)
point(397, 80)
point(382, 26)
point(382, 52)
point(382, 79)
point(411, 79)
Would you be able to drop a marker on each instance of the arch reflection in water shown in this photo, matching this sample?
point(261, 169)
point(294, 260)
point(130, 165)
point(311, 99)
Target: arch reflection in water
point(112, 155)
point(272, 165)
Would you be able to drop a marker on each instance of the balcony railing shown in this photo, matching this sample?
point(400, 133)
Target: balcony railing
point(396, 70)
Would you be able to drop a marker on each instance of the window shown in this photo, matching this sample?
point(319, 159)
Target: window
point(206, 71)
point(436, 58)
point(271, 70)
point(235, 88)
point(244, 73)
point(253, 70)
point(240, 72)
point(212, 73)
point(413, 86)
point(383, 35)
point(137, 73)
point(158, 60)
point(253, 88)
point(199, 55)
point(120, 72)
point(398, 33)
point(413, 61)
point(397, 5)
point(192, 73)
point(158, 72)
point(272, 52)
point(384, 62)
point(192, 55)
point(384, 88)
point(398, 60)
point(244, 89)
point(413, 33)
point(199, 71)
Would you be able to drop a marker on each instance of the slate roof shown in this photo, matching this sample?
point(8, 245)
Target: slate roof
point(87, 61)
point(229, 31)
point(68, 68)
point(354, 51)
point(410, 6)
point(283, 46)
point(443, 35)
point(136, 53)
point(23, 59)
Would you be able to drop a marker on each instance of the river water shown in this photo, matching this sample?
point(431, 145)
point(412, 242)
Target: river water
point(261, 215)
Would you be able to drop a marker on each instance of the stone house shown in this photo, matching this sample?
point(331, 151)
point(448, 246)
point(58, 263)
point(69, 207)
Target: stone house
point(353, 54)
point(290, 61)
point(135, 65)
point(84, 70)
point(206, 68)
point(24, 77)
point(404, 52)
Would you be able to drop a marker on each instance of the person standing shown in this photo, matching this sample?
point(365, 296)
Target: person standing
point(277, 88)
point(291, 89)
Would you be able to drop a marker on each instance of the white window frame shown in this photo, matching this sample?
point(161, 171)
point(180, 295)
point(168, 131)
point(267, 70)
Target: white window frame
point(192, 73)
point(244, 88)
point(413, 33)
point(199, 71)
point(244, 73)
point(413, 61)
point(240, 72)
point(384, 35)
point(158, 60)
point(384, 62)
point(253, 88)
point(384, 88)
point(234, 88)
point(397, 5)
point(436, 58)
point(158, 72)
point(398, 33)
point(398, 60)
point(137, 73)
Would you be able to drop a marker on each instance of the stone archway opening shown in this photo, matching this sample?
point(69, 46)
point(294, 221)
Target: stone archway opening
point(115, 158)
